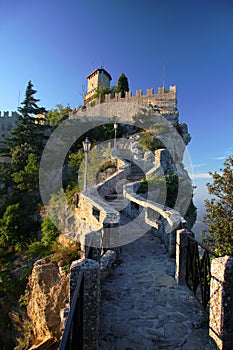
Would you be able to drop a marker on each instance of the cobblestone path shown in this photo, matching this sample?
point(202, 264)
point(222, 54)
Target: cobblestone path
point(143, 309)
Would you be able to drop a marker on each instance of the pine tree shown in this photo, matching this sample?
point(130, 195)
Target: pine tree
point(123, 85)
point(30, 107)
point(24, 148)
point(29, 130)
point(219, 211)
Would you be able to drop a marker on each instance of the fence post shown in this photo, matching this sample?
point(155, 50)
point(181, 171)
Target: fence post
point(221, 302)
point(181, 256)
point(90, 299)
point(91, 245)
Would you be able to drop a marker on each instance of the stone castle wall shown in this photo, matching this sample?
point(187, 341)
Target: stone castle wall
point(7, 123)
point(163, 98)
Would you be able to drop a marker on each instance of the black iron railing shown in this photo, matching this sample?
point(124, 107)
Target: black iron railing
point(198, 273)
point(72, 337)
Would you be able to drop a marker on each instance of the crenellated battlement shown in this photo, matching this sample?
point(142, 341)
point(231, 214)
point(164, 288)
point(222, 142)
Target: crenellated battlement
point(8, 120)
point(8, 114)
point(163, 98)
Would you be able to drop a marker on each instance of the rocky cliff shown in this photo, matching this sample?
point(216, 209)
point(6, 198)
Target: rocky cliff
point(48, 289)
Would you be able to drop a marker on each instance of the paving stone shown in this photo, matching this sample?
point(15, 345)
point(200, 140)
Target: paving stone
point(159, 332)
point(120, 329)
point(142, 323)
point(173, 328)
point(143, 309)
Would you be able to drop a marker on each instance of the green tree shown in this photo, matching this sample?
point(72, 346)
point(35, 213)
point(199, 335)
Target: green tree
point(14, 226)
point(57, 115)
point(19, 176)
point(219, 211)
point(50, 232)
point(101, 92)
point(29, 130)
point(19, 156)
point(30, 107)
point(28, 178)
point(150, 142)
point(122, 85)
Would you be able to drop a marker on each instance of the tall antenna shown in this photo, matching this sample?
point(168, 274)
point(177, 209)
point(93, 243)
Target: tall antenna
point(18, 98)
point(163, 70)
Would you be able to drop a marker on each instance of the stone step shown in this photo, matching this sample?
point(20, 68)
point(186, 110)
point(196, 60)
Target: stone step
point(118, 205)
point(134, 178)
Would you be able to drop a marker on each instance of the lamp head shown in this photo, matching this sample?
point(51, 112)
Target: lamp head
point(86, 145)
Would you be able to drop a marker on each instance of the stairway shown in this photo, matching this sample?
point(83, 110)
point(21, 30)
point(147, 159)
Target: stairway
point(136, 173)
point(117, 200)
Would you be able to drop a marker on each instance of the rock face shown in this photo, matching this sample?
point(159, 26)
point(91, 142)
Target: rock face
point(48, 290)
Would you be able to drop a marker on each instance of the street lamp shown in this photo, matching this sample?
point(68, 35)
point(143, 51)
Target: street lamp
point(115, 128)
point(86, 148)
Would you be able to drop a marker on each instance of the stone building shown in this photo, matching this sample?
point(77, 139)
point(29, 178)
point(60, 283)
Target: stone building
point(99, 77)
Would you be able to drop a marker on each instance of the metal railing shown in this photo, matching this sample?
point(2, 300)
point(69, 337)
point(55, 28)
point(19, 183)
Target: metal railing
point(73, 334)
point(72, 337)
point(198, 274)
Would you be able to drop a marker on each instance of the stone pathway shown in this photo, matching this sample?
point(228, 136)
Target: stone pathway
point(142, 308)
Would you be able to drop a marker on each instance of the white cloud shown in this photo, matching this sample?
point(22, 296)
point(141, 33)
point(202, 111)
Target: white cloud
point(219, 158)
point(200, 176)
point(198, 165)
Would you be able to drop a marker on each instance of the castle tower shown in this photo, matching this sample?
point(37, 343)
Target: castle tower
point(99, 77)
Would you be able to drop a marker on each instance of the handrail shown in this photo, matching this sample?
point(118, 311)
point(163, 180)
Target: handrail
point(203, 246)
point(172, 216)
point(198, 270)
point(72, 337)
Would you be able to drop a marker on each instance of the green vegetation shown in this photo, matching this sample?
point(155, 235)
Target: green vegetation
point(122, 85)
point(106, 165)
point(167, 187)
point(57, 115)
point(19, 176)
point(101, 92)
point(64, 255)
point(14, 227)
point(20, 220)
point(219, 211)
point(150, 142)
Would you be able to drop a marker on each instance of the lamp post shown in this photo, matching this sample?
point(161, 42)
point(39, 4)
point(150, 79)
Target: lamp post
point(115, 128)
point(86, 148)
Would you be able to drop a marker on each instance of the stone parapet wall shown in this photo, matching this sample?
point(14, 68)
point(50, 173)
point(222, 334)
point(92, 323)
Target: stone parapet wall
point(163, 98)
point(164, 219)
point(124, 111)
point(93, 212)
point(91, 296)
point(8, 121)
point(221, 302)
point(7, 114)
point(110, 184)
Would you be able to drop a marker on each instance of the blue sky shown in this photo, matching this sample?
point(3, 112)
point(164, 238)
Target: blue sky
point(56, 44)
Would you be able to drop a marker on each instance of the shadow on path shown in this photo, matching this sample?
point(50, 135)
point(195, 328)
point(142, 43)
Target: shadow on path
point(141, 307)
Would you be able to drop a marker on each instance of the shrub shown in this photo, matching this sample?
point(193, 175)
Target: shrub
point(50, 232)
point(64, 255)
